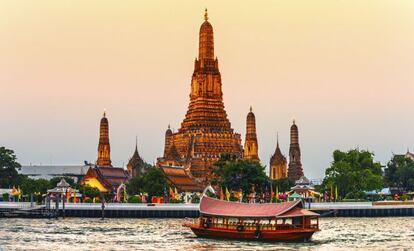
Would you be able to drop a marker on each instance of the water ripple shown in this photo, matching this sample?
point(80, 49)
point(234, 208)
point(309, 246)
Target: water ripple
point(168, 234)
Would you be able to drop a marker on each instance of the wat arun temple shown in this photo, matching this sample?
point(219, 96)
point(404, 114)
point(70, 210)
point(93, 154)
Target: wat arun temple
point(206, 132)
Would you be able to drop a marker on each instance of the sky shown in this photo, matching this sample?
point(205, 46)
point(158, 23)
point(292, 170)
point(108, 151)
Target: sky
point(342, 69)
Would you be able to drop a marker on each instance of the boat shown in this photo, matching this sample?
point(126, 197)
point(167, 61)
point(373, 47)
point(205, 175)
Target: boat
point(287, 221)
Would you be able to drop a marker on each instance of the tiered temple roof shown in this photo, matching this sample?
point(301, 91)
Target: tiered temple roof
point(106, 179)
point(181, 179)
point(251, 148)
point(278, 164)
point(104, 149)
point(205, 132)
point(295, 170)
point(136, 165)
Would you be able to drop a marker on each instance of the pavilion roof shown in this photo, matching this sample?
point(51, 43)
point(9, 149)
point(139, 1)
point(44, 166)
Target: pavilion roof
point(180, 178)
point(215, 207)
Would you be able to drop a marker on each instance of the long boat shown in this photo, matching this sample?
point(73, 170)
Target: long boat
point(287, 221)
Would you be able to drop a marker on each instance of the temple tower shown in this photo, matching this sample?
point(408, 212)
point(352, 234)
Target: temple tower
point(295, 165)
point(278, 164)
point(250, 144)
point(104, 149)
point(136, 166)
point(205, 132)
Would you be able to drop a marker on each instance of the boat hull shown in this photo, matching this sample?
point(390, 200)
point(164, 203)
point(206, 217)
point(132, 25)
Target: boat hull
point(277, 235)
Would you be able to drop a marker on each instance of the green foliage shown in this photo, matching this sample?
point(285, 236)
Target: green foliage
point(283, 185)
point(88, 200)
point(8, 168)
point(405, 197)
point(152, 182)
point(211, 195)
point(239, 175)
point(5, 197)
point(135, 185)
point(28, 185)
point(172, 200)
point(134, 199)
point(400, 173)
point(353, 172)
point(90, 192)
point(355, 195)
point(55, 180)
point(195, 198)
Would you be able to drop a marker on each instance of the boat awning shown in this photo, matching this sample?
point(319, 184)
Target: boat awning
point(215, 207)
point(297, 212)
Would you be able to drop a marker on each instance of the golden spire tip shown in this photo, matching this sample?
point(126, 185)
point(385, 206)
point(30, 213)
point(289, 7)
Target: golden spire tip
point(205, 14)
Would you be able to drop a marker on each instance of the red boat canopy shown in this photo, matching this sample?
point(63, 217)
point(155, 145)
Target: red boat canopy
point(214, 207)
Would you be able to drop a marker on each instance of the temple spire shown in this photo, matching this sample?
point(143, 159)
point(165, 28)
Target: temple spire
point(250, 144)
point(277, 139)
point(206, 42)
point(104, 149)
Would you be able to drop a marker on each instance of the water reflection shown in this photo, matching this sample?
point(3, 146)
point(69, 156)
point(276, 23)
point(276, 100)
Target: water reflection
point(162, 234)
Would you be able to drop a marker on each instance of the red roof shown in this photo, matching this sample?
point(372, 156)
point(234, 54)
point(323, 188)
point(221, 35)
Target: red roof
point(178, 177)
point(295, 212)
point(214, 207)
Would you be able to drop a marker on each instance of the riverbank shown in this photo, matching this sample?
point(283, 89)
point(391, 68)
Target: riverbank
point(138, 210)
point(169, 234)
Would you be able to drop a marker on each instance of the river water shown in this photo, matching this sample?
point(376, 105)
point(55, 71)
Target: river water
point(168, 234)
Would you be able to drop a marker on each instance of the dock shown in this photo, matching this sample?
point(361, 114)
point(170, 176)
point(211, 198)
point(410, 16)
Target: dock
point(138, 210)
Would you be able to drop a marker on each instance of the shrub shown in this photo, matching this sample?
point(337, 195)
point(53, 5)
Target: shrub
point(88, 200)
point(5, 197)
point(405, 197)
point(195, 199)
point(134, 199)
point(232, 198)
point(172, 200)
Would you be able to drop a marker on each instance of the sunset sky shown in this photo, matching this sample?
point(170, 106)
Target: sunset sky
point(343, 69)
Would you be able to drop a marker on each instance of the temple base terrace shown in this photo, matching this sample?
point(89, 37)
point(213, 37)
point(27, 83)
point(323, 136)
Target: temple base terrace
point(134, 210)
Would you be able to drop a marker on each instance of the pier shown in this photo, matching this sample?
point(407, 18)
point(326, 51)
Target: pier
point(135, 210)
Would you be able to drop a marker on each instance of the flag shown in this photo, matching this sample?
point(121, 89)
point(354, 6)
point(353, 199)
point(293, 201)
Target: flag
point(336, 192)
point(115, 198)
point(221, 194)
point(272, 194)
point(277, 193)
point(19, 194)
point(171, 193)
point(68, 194)
point(125, 194)
point(177, 195)
point(74, 195)
point(227, 194)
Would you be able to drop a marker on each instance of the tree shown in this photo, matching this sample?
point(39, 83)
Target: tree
point(353, 172)
point(8, 168)
point(90, 192)
point(134, 185)
point(399, 173)
point(28, 185)
point(55, 180)
point(283, 185)
point(239, 175)
point(152, 182)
